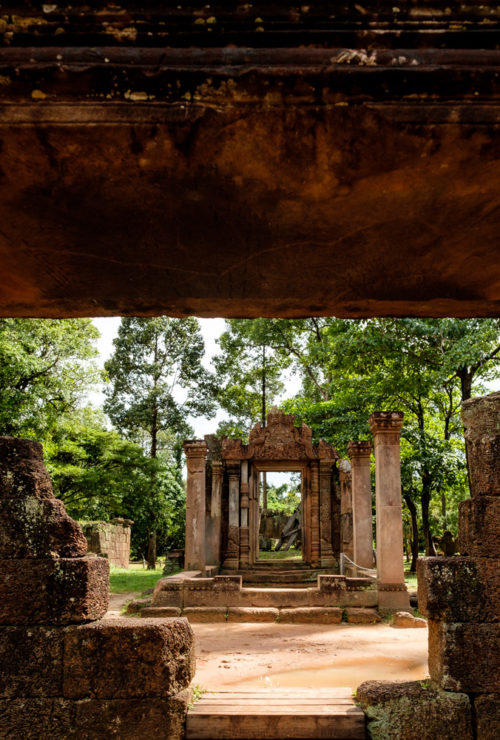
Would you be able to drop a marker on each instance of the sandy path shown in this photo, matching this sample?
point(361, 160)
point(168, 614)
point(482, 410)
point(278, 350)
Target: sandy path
point(116, 601)
point(258, 655)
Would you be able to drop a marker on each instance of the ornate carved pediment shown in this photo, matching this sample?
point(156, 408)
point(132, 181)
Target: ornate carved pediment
point(279, 440)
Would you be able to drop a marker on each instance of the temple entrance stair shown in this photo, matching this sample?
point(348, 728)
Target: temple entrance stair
point(276, 714)
point(272, 574)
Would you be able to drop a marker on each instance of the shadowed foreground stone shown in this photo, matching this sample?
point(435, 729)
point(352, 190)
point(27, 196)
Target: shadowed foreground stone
point(479, 527)
point(487, 710)
point(465, 656)
point(38, 528)
point(95, 719)
point(136, 658)
point(57, 591)
point(459, 589)
point(480, 419)
point(22, 472)
point(414, 711)
point(31, 660)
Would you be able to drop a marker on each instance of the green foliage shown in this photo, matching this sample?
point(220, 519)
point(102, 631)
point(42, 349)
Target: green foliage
point(285, 497)
point(45, 369)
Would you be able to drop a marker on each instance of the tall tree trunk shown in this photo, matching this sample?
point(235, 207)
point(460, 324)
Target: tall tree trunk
point(414, 529)
point(444, 511)
point(264, 490)
point(426, 498)
point(263, 410)
point(151, 556)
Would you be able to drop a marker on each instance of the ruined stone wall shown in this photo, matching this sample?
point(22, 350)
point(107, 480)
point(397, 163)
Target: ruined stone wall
point(66, 672)
point(461, 598)
point(110, 539)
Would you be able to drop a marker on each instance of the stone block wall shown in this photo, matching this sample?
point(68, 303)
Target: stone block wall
point(65, 672)
point(461, 598)
point(110, 539)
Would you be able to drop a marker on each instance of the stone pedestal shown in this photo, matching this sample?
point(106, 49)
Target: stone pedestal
point(232, 555)
point(386, 429)
point(195, 556)
point(346, 521)
point(359, 454)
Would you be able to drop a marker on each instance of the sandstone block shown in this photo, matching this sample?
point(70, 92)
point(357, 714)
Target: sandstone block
point(161, 611)
point(38, 528)
point(312, 615)
point(133, 658)
point(479, 527)
point(31, 660)
point(459, 589)
point(465, 656)
point(57, 591)
point(22, 472)
point(362, 616)
point(94, 719)
point(252, 614)
point(414, 711)
point(136, 605)
point(487, 710)
point(481, 419)
point(406, 620)
point(205, 614)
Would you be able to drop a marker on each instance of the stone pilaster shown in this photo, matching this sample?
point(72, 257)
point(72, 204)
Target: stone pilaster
point(196, 453)
point(327, 559)
point(315, 526)
point(386, 429)
point(232, 556)
point(346, 522)
point(244, 518)
point(359, 454)
point(213, 530)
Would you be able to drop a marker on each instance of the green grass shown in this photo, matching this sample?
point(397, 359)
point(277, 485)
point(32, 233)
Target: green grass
point(280, 555)
point(410, 579)
point(137, 578)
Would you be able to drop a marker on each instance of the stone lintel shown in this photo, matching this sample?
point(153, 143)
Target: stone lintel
point(195, 451)
point(359, 448)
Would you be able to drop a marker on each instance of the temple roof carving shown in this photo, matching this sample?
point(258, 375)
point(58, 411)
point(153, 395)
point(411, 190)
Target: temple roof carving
point(278, 440)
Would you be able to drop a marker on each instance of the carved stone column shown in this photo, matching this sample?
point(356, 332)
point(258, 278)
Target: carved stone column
point(244, 518)
point(214, 523)
point(194, 558)
point(346, 524)
point(360, 453)
point(232, 556)
point(386, 429)
point(327, 559)
point(315, 533)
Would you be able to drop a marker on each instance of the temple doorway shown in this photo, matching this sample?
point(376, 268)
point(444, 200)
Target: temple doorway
point(281, 506)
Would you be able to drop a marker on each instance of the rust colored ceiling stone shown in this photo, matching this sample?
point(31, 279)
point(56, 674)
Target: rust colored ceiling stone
point(249, 160)
point(55, 591)
point(133, 658)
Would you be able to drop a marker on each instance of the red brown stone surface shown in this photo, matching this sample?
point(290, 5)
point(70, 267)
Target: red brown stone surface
point(38, 528)
point(22, 472)
point(479, 527)
point(357, 615)
point(487, 711)
point(31, 661)
point(465, 656)
point(136, 658)
point(94, 719)
point(56, 591)
point(481, 419)
point(414, 711)
point(459, 589)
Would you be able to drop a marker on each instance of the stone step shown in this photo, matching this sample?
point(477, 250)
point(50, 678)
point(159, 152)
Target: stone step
point(275, 714)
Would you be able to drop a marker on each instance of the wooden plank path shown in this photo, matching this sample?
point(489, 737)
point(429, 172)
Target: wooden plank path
point(276, 714)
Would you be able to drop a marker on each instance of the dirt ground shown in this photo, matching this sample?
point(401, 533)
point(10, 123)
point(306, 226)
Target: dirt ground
point(253, 655)
point(308, 655)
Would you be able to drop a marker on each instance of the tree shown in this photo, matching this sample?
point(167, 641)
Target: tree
point(45, 369)
point(156, 379)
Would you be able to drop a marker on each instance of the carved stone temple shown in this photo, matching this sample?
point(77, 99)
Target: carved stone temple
point(223, 513)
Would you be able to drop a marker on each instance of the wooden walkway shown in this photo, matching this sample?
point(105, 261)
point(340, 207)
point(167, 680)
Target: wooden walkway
point(276, 714)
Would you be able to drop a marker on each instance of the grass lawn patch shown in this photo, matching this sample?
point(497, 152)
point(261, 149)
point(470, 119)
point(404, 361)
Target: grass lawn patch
point(280, 555)
point(122, 581)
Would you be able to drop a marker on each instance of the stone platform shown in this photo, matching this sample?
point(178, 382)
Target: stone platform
point(224, 597)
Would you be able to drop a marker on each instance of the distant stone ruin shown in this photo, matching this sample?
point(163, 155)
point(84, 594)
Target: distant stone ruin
point(111, 540)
